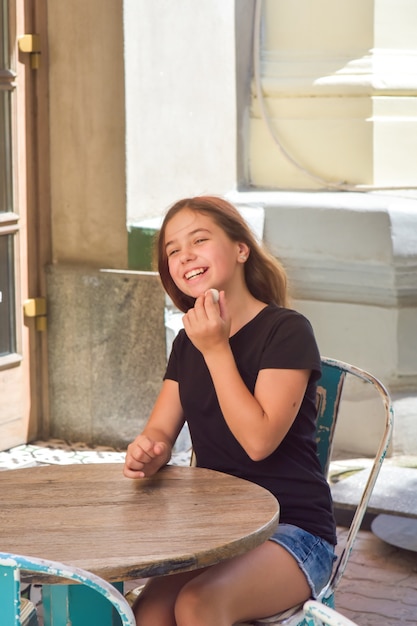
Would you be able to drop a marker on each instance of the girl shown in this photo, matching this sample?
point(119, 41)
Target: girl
point(243, 374)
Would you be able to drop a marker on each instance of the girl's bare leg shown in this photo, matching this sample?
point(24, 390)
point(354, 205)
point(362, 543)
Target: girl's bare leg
point(155, 604)
point(260, 583)
point(257, 584)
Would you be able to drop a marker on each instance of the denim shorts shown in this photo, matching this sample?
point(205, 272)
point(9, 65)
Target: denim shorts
point(314, 555)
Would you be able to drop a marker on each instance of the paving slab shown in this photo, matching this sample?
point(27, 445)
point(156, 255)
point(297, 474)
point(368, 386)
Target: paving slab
point(395, 491)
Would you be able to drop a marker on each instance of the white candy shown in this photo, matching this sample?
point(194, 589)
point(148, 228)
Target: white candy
point(215, 294)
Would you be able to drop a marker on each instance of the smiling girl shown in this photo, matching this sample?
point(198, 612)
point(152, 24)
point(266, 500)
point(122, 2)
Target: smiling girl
point(243, 374)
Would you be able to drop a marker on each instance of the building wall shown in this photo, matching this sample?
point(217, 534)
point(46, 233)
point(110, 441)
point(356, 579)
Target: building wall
point(87, 132)
point(180, 67)
point(157, 101)
point(352, 266)
point(106, 337)
point(338, 100)
point(334, 116)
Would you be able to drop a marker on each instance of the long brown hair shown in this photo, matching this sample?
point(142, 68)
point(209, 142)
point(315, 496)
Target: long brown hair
point(265, 276)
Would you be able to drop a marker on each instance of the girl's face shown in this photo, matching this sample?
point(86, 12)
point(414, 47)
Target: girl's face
point(200, 254)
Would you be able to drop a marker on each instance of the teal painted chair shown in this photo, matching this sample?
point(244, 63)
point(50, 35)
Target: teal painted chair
point(318, 614)
point(329, 397)
point(15, 613)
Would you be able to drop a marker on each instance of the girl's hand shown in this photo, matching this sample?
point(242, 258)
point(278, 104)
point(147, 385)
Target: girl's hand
point(207, 324)
point(145, 457)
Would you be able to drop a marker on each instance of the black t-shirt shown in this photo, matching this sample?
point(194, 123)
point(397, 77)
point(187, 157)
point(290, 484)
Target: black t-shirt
point(276, 338)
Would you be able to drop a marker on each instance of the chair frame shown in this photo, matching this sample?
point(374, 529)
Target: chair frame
point(11, 566)
point(329, 365)
point(328, 404)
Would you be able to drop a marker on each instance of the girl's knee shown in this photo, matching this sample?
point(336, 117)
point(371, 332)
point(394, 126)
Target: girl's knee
point(186, 605)
point(196, 604)
point(149, 612)
point(155, 604)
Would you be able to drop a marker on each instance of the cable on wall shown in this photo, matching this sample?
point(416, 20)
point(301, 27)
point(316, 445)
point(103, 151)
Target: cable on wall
point(265, 117)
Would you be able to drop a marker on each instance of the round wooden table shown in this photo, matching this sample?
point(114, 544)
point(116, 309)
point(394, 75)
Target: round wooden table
point(92, 517)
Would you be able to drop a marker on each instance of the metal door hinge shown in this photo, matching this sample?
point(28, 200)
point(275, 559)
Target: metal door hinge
point(32, 45)
point(36, 307)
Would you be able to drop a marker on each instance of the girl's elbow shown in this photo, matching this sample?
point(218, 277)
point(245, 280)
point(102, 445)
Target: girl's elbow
point(256, 456)
point(259, 453)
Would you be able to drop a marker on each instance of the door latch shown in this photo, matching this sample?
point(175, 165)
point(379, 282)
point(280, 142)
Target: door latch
point(31, 44)
point(36, 307)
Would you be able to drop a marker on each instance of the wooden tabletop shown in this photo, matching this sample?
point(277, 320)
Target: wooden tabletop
point(91, 516)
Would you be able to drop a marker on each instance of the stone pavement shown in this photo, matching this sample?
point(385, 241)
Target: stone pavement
point(379, 586)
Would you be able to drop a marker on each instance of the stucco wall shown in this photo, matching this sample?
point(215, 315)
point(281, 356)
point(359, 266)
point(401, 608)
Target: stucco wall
point(337, 97)
point(149, 102)
point(180, 101)
point(352, 266)
point(87, 136)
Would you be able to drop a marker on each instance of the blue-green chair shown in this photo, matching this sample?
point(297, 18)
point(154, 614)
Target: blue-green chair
point(329, 396)
point(13, 614)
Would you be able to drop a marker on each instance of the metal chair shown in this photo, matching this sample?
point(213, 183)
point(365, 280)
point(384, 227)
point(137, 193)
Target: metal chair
point(329, 395)
point(318, 614)
point(11, 566)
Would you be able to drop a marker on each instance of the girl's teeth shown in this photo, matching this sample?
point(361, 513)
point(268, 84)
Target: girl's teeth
point(194, 274)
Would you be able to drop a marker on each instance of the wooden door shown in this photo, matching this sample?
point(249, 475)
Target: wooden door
point(23, 407)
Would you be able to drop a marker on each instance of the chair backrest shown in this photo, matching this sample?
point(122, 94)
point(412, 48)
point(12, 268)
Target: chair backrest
point(329, 398)
point(318, 614)
point(329, 395)
point(12, 564)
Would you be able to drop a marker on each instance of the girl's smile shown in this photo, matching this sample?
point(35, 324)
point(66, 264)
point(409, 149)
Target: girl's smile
point(200, 255)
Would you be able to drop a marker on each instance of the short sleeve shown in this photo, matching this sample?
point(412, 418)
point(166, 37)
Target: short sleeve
point(292, 345)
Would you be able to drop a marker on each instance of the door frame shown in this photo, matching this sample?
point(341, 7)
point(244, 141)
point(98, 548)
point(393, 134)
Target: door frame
point(39, 212)
point(24, 374)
